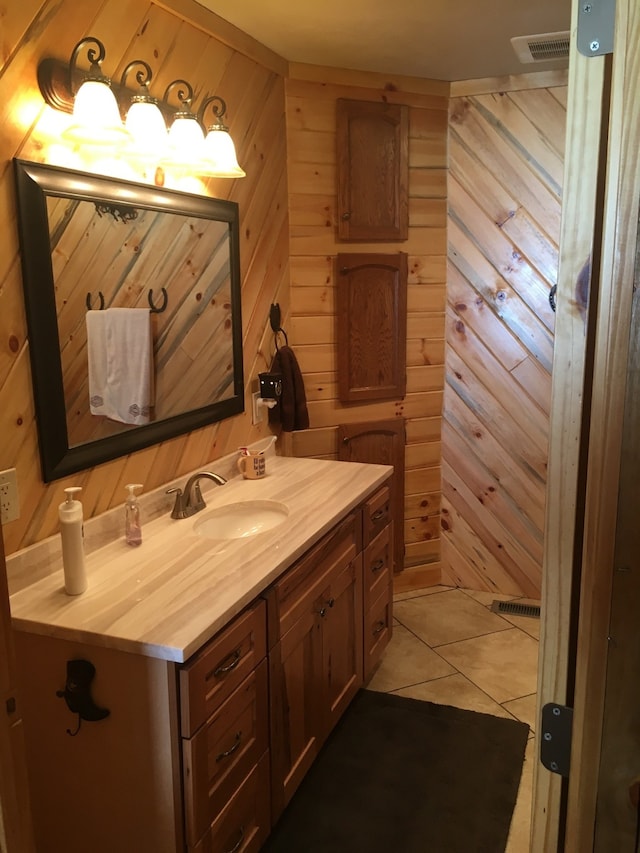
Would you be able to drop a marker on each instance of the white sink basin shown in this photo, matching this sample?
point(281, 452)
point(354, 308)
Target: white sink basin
point(242, 519)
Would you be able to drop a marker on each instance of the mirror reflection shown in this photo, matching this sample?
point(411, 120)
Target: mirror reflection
point(95, 248)
point(119, 256)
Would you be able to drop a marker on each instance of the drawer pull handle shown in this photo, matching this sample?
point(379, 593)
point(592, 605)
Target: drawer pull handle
point(231, 750)
point(378, 515)
point(238, 843)
point(380, 626)
point(234, 660)
point(379, 564)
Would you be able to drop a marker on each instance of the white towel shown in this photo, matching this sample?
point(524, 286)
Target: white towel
point(121, 370)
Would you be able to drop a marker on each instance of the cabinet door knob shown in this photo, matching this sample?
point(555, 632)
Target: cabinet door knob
point(378, 515)
point(380, 625)
point(375, 567)
point(346, 216)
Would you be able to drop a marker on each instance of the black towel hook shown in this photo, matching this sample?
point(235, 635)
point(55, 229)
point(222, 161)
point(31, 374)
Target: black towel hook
point(89, 299)
point(275, 318)
point(165, 300)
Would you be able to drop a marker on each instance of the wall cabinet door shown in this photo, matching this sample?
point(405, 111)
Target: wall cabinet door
point(380, 442)
point(373, 170)
point(371, 307)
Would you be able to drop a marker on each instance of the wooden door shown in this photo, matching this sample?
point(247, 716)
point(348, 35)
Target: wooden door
point(373, 170)
point(342, 640)
point(371, 308)
point(600, 214)
point(619, 773)
point(380, 442)
point(15, 814)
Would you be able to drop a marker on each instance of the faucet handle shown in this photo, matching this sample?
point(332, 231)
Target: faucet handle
point(195, 501)
point(179, 508)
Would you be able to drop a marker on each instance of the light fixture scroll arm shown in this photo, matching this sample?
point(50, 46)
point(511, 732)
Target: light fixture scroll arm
point(184, 95)
point(95, 58)
point(218, 107)
point(143, 75)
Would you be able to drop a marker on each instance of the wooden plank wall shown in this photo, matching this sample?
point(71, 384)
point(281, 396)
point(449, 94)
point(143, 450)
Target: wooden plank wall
point(251, 80)
point(311, 95)
point(505, 186)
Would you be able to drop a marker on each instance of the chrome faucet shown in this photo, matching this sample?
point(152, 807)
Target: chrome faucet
point(191, 501)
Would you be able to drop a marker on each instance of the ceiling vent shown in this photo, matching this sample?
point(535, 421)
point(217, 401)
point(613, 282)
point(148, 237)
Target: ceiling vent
point(542, 48)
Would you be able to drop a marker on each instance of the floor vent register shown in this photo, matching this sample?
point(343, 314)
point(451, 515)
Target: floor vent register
point(516, 609)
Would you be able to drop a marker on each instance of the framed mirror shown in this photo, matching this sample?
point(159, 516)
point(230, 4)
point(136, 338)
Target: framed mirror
point(92, 244)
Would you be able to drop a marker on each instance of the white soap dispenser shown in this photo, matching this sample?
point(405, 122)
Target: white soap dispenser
point(71, 535)
point(132, 525)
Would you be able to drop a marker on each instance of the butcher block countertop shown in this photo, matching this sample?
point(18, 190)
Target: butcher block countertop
point(167, 597)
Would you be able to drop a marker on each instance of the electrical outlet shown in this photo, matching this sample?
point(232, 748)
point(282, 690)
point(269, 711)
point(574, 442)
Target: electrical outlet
point(9, 503)
point(256, 409)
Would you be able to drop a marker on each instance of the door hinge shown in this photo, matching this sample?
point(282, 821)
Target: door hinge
point(596, 21)
point(555, 743)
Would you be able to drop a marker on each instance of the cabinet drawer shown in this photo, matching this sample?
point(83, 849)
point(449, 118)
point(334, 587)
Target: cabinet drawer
point(222, 752)
point(295, 593)
point(245, 822)
point(214, 673)
point(378, 626)
point(378, 559)
point(376, 515)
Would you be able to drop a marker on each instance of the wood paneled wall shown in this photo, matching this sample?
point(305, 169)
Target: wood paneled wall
point(311, 96)
point(178, 39)
point(505, 186)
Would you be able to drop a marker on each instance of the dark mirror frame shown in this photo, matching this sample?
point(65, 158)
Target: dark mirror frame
point(34, 181)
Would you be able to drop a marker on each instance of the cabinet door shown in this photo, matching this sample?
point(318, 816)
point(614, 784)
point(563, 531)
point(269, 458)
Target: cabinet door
point(342, 641)
point(373, 170)
point(371, 307)
point(295, 667)
point(381, 442)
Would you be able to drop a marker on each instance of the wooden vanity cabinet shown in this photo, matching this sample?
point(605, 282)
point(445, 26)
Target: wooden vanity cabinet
point(315, 655)
point(202, 757)
point(225, 739)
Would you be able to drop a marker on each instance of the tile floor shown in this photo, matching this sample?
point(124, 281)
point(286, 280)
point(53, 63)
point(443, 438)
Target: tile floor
point(448, 647)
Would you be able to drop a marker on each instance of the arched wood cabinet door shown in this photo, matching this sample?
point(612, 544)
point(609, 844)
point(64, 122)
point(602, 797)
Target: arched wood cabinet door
point(373, 170)
point(381, 443)
point(371, 308)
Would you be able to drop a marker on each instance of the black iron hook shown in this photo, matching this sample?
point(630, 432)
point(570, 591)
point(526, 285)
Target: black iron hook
point(89, 299)
point(275, 318)
point(165, 301)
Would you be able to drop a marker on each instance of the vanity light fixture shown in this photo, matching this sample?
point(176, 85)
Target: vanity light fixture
point(144, 120)
point(218, 152)
point(96, 117)
point(98, 108)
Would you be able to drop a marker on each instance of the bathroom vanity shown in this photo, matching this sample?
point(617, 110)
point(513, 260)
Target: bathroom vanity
point(224, 664)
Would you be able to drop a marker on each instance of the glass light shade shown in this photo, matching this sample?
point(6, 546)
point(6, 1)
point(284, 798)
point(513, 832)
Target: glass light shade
point(96, 117)
point(148, 131)
point(219, 156)
point(185, 140)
